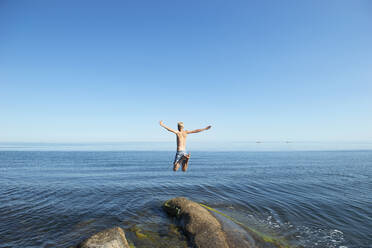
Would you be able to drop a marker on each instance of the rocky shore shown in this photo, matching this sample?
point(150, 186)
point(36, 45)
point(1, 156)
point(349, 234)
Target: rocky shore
point(203, 226)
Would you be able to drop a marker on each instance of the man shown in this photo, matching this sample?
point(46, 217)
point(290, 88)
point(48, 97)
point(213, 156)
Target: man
point(181, 155)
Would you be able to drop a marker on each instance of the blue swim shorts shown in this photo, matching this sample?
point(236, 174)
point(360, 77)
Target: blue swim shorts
point(179, 156)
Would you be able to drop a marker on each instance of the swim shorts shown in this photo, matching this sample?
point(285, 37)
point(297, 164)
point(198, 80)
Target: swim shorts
point(179, 156)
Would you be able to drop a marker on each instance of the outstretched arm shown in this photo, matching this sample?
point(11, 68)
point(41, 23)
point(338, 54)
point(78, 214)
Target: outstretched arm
point(169, 129)
point(199, 130)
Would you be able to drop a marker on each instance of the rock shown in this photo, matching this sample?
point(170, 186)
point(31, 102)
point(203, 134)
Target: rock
point(206, 227)
point(109, 238)
point(200, 226)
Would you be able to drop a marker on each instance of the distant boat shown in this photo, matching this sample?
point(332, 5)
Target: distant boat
point(288, 141)
point(258, 142)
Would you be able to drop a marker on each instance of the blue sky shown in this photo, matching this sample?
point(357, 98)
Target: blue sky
point(102, 71)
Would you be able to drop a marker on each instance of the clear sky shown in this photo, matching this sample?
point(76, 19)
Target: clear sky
point(92, 71)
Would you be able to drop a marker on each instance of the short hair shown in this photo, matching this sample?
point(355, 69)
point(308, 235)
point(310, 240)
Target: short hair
point(180, 124)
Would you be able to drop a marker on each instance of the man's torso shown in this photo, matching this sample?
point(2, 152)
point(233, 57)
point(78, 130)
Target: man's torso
point(181, 140)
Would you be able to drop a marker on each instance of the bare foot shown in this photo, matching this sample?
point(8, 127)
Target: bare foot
point(185, 163)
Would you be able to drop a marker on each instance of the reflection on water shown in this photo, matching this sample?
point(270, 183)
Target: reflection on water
point(310, 199)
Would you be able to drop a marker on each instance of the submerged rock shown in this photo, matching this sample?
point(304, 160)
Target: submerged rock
point(237, 232)
point(109, 238)
point(201, 227)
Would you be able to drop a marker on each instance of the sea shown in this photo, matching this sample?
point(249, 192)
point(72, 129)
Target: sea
point(58, 197)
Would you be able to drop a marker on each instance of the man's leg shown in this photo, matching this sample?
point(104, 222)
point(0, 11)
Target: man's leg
point(176, 165)
point(177, 161)
point(185, 162)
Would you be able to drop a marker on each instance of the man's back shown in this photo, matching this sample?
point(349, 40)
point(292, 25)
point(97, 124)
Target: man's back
point(181, 140)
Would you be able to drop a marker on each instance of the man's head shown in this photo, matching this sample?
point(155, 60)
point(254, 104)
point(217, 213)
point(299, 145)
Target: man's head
point(180, 126)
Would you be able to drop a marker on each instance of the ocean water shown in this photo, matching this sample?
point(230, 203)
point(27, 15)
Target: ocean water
point(309, 198)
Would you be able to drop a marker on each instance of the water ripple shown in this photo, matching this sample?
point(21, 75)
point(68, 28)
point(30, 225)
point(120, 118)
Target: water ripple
point(313, 199)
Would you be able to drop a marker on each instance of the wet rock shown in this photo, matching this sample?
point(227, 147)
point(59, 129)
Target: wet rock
point(206, 227)
point(200, 226)
point(110, 238)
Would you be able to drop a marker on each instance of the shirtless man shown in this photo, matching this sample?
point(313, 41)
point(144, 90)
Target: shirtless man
point(181, 155)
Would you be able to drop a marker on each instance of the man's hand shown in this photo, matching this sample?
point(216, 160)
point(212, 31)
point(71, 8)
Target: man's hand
point(161, 123)
point(208, 127)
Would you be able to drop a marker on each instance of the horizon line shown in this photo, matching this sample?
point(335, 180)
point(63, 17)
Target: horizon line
point(197, 141)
